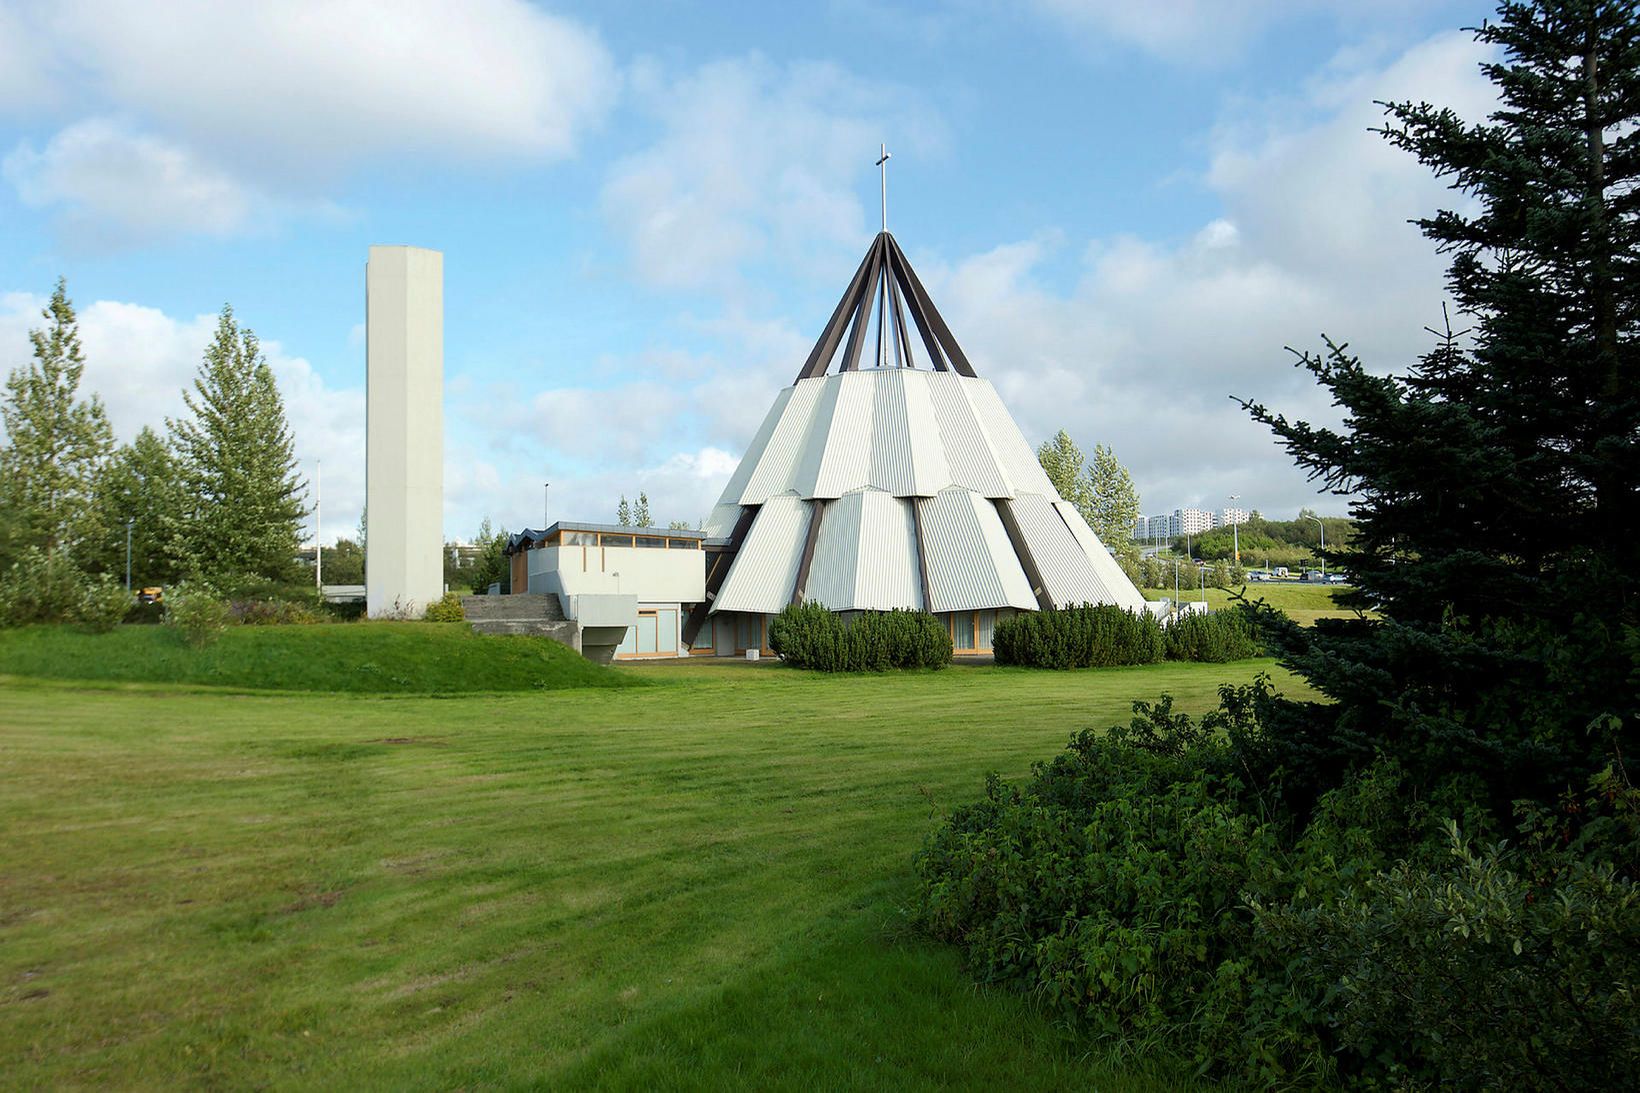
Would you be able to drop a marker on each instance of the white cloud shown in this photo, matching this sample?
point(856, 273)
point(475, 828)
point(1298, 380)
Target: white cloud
point(1177, 30)
point(1142, 353)
point(339, 80)
point(105, 179)
point(25, 64)
point(755, 162)
point(220, 103)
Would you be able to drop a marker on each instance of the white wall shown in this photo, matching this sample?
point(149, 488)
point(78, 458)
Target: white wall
point(654, 576)
point(404, 432)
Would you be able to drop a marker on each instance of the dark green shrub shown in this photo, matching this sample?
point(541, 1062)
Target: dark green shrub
point(1149, 886)
point(1217, 636)
point(1468, 973)
point(1089, 636)
point(810, 636)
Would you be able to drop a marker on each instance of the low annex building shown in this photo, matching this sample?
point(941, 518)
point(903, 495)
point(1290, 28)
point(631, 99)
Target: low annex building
point(902, 482)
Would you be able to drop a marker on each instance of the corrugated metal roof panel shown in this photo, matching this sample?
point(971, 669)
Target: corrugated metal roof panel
point(865, 558)
point(1067, 572)
point(764, 570)
point(887, 575)
point(931, 470)
point(1118, 588)
point(777, 466)
point(845, 460)
point(966, 445)
point(1017, 459)
point(971, 562)
point(724, 516)
point(892, 468)
point(754, 450)
point(836, 555)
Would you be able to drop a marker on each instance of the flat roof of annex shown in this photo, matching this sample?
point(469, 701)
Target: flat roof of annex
point(531, 537)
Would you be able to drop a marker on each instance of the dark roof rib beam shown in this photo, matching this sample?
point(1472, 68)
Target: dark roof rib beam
point(930, 314)
point(862, 311)
point(902, 336)
point(896, 262)
point(826, 348)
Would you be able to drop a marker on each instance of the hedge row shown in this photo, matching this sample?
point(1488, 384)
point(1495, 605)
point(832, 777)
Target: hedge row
point(811, 636)
point(1106, 636)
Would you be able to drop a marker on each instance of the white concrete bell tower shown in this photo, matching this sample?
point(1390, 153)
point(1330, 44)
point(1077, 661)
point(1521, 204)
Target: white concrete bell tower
point(404, 430)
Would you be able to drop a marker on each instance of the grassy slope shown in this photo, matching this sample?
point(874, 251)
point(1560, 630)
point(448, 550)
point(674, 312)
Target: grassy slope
point(697, 883)
point(398, 657)
point(1303, 602)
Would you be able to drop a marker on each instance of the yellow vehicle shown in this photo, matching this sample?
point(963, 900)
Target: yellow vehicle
point(151, 595)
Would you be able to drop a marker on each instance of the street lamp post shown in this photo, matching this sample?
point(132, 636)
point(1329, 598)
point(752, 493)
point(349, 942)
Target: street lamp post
point(129, 521)
point(1323, 528)
point(1235, 526)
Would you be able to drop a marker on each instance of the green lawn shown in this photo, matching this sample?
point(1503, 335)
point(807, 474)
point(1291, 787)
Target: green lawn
point(1304, 603)
point(391, 658)
point(696, 883)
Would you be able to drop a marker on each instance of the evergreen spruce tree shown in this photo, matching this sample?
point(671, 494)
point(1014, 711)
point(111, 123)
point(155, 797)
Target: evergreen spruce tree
point(640, 512)
point(238, 464)
point(623, 513)
point(143, 483)
point(56, 445)
point(1497, 481)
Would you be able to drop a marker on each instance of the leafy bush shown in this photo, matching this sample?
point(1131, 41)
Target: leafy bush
point(104, 604)
point(810, 636)
point(1217, 636)
point(1079, 637)
point(1146, 885)
point(259, 601)
point(196, 613)
point(41, 587)
point(1469, 974)
point(446, 609)
point(271, 612)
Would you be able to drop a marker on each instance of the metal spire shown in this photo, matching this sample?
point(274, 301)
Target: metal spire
point(882, 300)
point(882, 165)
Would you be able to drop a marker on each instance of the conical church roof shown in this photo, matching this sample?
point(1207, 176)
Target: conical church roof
point(894, 485)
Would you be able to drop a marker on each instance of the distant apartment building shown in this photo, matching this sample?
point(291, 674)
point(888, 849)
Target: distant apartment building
point(1191, 521)
point(1185, 522)
point(1158, 529)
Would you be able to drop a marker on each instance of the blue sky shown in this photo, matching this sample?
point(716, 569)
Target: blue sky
point(647, 211)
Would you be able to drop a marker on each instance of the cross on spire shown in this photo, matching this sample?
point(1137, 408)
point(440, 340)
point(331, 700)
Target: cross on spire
point(882, 165)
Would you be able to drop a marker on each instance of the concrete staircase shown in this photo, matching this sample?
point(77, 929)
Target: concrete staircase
point(531, 615)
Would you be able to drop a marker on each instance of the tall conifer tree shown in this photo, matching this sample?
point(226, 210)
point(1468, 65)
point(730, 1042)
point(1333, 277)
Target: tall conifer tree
point(56, 444)
point(1498, 480)
point(238, 463)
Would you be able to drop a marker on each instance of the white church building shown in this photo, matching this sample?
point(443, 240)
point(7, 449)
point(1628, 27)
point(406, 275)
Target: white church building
point(888, 475)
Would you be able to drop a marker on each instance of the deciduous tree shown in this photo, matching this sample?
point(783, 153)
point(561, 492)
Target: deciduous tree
point(143, 484)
